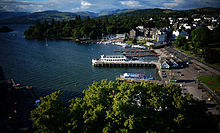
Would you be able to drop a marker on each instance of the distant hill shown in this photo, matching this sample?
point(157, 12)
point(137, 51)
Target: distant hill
point(157, 11)
point(5, 15)
point(110, 12)
point(86, 13)
point(28, 18)
point(115, 12)
point(45, 15)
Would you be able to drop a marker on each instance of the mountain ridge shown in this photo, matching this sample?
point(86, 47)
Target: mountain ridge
point(28, 18)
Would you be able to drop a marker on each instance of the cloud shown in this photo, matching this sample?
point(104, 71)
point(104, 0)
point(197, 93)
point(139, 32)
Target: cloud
point(131, 3)
point(85, 4)
point(101, 5)
point(189, 4)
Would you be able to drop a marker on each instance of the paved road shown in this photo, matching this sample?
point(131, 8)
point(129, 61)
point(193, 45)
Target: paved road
point(188, 77)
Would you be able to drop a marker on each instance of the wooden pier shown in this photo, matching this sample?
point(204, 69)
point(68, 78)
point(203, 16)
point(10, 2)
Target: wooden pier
point(138, 55)
point(125, 64)
point(131, 51)
point(29, 89)
point(138, 80)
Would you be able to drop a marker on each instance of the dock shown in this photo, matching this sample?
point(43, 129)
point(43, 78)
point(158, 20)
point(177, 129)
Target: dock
point(138, 55)
point(29, 89)
point(131, 51)
point(126, 64)
point(138, 80)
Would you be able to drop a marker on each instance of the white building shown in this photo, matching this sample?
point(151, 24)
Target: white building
point(162, 38)
point(186, 26)
point(197, 19)
point(177, 33)
point(120, 36)
point(149, 44)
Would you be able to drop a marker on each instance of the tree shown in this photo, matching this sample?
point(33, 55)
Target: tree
point(124, 107)
point(180, 41)
point(50, 115)
point(216, 34)
point(200, 37)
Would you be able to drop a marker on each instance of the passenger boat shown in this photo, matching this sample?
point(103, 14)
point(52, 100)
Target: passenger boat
point(135, 76)
point(111, 58)
point(116, 59)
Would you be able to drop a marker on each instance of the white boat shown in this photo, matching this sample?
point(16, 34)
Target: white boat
point(111, 58)
point(135, 76)
point(104, 42)
point(125, 45)
point(138, 46)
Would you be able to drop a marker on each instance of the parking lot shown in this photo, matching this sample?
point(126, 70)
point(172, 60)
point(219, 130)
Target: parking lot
point(187, 76)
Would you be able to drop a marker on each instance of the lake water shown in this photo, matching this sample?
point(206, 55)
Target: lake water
point(62, 65)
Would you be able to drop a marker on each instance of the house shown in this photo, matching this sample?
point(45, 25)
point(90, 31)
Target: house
point(177, 33)
point(173, 64)
point(132, 34)
point(140, 27)
point(162, 37)
point(121, 36)
point(165, 65)
point(197, 19)
point(140, 38)
point(149, 44)
point(186, 26)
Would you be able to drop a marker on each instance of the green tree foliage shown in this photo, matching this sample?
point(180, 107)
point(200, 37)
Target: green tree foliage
point(87, 28)
point(216, 35)
point(180, 41)
point(201, 37)
point(123, 107)
point(51, 114)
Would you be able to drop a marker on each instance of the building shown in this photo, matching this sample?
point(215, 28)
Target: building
point(149, 44)
point(197, 19)
point(132, 34)
point(162, 38)
point(177, 33)
point(165, 65)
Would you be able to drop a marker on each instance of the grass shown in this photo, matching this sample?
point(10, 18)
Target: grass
point(189, 52)
point(129, 42)
point(138, 42)
point(211, 82)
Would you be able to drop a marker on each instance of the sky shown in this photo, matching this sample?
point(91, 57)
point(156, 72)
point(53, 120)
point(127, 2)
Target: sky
point(101, 5)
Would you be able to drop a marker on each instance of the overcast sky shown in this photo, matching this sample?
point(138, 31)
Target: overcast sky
point(100, 5)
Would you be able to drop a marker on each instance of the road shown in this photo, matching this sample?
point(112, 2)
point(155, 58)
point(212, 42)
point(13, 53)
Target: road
point(188, 75)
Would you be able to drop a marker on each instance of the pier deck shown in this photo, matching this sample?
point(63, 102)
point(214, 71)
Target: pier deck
point(125, 64)
point(139, 80)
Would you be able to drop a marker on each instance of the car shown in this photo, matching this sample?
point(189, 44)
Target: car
point(164, 76)
point(181, 74)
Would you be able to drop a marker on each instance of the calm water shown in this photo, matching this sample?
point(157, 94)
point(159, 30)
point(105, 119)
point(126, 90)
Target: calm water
point(63, 65)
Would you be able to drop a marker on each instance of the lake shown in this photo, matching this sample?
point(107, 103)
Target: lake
point(62, 65)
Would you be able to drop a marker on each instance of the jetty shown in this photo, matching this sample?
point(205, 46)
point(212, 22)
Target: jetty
point(131, 51)
point(138, 55)
point(126, 64)
point(29, 89)
point(138, 80)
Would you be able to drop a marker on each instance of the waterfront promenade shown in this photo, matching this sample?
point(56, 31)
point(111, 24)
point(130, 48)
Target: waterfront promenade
point(188, 75)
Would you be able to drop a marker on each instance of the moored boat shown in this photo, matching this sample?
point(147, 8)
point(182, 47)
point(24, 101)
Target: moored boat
point(135, 76)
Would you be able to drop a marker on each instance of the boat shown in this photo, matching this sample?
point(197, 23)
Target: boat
point(138, 46)
point(111, 58)
point(125, 45)
point(135, 76)
point(116, 59)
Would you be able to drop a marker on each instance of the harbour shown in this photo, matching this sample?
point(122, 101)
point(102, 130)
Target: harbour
point(62, 65)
